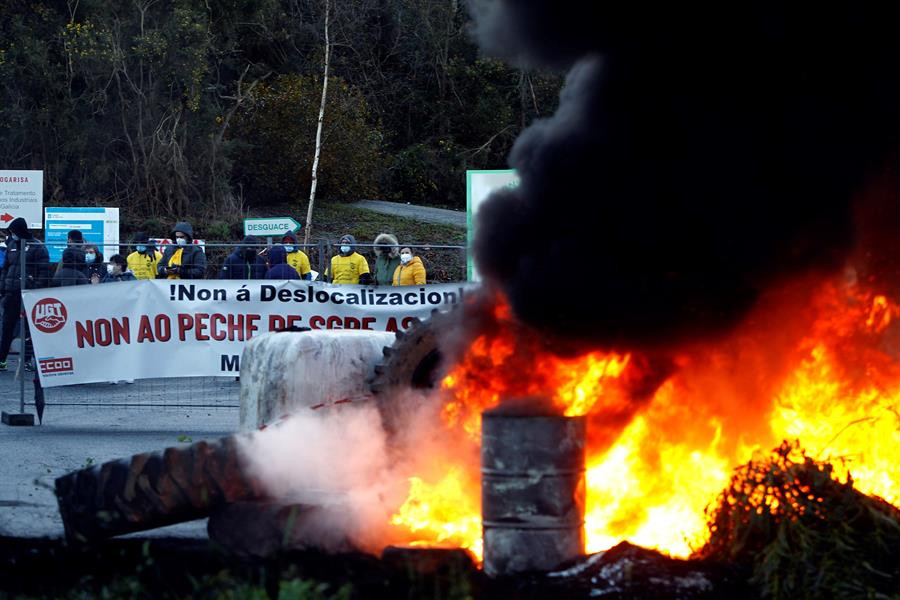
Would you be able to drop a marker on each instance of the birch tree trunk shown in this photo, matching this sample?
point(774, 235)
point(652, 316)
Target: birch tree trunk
point(315, 166)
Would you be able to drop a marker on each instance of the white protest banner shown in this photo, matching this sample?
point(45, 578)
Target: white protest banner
point(160, 328)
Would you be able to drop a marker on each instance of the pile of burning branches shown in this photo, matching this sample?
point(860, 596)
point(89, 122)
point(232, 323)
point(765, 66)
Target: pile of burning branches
point(803, 532)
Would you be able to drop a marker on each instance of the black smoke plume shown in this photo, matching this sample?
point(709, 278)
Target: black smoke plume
point(698, 156)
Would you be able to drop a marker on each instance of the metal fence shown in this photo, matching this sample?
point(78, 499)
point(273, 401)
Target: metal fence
point(443, 263)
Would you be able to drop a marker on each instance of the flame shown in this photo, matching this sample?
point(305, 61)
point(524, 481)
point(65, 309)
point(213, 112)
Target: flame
point(825, 372)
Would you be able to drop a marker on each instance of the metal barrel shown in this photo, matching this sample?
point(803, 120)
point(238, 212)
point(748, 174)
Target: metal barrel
point(532, 491)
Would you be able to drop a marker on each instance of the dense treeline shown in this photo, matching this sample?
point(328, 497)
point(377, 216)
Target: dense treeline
point(175, 107)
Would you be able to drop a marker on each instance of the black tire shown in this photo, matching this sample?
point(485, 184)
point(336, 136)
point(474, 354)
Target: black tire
point(413, 361)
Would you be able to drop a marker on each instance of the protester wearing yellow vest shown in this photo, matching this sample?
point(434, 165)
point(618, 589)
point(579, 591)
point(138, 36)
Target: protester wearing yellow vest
point(296, 258)
point(349, 266)
point(143, 261)
point(410, 271)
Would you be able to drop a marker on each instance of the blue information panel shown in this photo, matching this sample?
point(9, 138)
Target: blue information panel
point(99, 226)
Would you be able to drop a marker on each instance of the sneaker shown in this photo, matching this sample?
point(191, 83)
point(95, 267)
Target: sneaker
point(3, 366)
point(29, 365)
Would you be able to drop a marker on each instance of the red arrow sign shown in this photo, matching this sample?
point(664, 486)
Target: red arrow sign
point(6, 217)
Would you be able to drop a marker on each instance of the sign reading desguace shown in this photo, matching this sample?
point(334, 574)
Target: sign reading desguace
point(158, 328)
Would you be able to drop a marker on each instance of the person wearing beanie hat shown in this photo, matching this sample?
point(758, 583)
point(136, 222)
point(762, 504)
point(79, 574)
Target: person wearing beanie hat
point(145, 258)
point(245, 262)
point(37, 274)
point(349, 266)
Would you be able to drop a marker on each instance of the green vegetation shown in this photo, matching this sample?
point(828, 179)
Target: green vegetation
point(803, 533)
point(175, 108)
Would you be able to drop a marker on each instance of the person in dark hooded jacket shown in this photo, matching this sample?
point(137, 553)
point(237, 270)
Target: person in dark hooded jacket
point(349, 266)
point(37, 273)
point(182, 260)
point(280, 269)
point(71, 268)
point(245, 262)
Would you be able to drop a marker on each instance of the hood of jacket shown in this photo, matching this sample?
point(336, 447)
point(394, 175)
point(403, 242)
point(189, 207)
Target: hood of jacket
point(350, 241)
point(73, 257)
point(277, 255)
point(249, 242)
point(19, 226)
point(289, 238)
point(386, 239)
point(185, 228)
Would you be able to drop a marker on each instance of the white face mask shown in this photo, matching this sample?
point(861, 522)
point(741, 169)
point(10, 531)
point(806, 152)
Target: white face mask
point(181, 241)
point(111, 269)
point(345, 249)
point(405, 258)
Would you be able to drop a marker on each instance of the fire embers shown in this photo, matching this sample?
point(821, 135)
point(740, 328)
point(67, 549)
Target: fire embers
point(690, 165)
point(532, 494)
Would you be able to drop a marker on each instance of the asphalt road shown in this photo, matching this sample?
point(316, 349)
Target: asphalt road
point(97, 429)
point(427, 214)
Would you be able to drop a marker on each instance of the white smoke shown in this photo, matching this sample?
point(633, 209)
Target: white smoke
point(341, 460)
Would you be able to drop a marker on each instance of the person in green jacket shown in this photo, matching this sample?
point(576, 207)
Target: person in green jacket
point(387, 258)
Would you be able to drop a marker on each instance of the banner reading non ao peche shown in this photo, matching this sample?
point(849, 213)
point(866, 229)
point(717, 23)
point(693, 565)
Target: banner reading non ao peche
point(160, 328)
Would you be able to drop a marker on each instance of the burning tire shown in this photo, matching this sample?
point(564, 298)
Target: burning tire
point(413, 361)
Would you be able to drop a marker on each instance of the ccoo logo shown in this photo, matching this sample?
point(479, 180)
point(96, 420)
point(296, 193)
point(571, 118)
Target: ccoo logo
point(49, 315)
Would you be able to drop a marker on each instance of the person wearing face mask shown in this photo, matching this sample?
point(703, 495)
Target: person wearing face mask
point(143, 261)
point(411, 270)
point(117, 270)
point(296, 258)
point(245, 262)
point(387, 258)
point(93, 258)
point(349, 266)
point(182, 260)
point(37, 275)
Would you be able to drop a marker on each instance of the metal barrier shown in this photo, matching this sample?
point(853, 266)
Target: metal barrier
point(443, 263)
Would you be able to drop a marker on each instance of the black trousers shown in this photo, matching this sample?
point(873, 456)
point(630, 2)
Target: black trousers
point(12, 307)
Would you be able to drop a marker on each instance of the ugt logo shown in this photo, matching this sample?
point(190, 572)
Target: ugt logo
point(49, 315)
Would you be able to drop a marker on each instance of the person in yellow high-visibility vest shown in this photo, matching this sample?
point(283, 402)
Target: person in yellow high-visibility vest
point(143, 261)
point(296, 257)
point(349, 266)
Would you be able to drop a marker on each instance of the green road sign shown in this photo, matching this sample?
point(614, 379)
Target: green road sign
point(270, 226)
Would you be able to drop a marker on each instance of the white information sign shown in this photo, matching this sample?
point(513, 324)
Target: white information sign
point(479, 186)
point(22, 195)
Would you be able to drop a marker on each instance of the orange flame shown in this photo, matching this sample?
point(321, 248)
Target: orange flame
point(830, 380)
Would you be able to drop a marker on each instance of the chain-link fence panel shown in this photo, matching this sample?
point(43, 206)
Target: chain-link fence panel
point(32, 269)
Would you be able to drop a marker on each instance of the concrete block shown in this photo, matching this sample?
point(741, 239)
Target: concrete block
point(283, 373)
point(16, 419)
